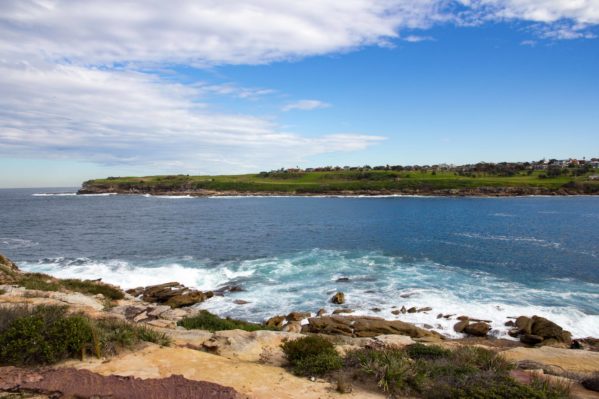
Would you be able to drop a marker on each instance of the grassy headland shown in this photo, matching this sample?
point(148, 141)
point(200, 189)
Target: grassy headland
point(347, 182)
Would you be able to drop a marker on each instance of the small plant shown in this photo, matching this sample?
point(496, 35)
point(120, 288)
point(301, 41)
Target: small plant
point(421, 351)
point(2, 291)
point(93, 288)
point(208, 321)
point(312, 356)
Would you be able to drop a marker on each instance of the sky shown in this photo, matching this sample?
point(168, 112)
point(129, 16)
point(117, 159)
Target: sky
point(118, 88)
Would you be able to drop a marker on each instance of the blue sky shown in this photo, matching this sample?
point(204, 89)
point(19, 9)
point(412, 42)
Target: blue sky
point(272, 85)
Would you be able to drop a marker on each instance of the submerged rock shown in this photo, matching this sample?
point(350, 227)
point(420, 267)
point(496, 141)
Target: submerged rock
point(338, 298)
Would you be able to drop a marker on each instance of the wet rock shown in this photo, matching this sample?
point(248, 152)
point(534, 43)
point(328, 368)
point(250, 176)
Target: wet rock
point(321, 312)
point(478, 329)
point(396, 312)
point(460, 325)
point(531, 339)
point(425, 309)
point(186, 299)
point(135, 292)
point(427, 326)
point(345, 310)
point(240, 302)
point(298, 316)
point(343, 280)
point(509, 323)
point(275, 321)
point(412, 310)
point(514, 333)
point(440, 315)
point(376, 309)
point(338, 298)
point(403, 310)
point(462, 318)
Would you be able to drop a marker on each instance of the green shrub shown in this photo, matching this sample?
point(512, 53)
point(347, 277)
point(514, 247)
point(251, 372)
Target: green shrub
point(2, 291)
point(39, 281)
point(48, 334)
point(421, 351)
point(312, 356)
point(437, 373)
point(93, 288)
point(208, 321)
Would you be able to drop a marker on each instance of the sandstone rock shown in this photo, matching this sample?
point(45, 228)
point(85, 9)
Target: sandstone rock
point(256, 346)
point(531, 339)
point(363, 326)
point(393, 341)
point(513, 332)
point(9, 272)
point(545, 328)
point(156, 311)
point(162, 323)
point(462, 318)
point(460, 325)
point(579, 361)
point(187, 299)
point(275, 321)
point(321, 312)
point(293, 327)
point(135, 292)
point(412, 310)
point(478, 329)
point(338, 298)
point(298, 316)
point(344, 385)
point(172, 294)
point(240, 302)
point(403, 310)
point(591, 383)
point(524, 325)
point(425, 309)
point(509, 323)
point(396, 312)
point(375, 309)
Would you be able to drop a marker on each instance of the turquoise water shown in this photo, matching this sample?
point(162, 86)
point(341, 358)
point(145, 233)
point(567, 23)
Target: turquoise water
point(485, 257)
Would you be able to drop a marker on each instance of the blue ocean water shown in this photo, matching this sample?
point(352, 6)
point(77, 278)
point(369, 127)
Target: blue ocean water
point(490, 258)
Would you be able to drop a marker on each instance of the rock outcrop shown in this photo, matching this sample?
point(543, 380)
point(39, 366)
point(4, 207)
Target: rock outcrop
point(73, 383)
point(474, 327)
point(361, 326)
point(338, 298)
point(171, 294)
point(9, 272)
point(540, 331)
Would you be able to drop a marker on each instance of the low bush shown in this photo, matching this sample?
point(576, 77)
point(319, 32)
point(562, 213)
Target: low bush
point(93, 288)
point(49, 334)
point(312, 356)
point(2, 291)
point(39, 281)
point(208, 321)
point(437, 373)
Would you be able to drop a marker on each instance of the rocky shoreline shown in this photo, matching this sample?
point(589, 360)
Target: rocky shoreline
point(237, 363)
point(505, 191)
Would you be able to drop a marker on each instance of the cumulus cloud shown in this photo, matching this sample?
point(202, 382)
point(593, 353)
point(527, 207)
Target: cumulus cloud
point(306, 105)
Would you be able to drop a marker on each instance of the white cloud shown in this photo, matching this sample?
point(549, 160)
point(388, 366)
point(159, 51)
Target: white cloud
point(306, 105)
point(417, 38)
point(113, 117)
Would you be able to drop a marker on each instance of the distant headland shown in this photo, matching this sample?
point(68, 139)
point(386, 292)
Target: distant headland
point(545, 177)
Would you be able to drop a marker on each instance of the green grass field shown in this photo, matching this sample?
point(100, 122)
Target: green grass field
point(337, 181)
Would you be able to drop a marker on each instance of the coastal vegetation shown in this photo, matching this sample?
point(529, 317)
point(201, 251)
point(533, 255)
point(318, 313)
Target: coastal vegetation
point(44, 282)
point(361, 180)
point(48, 334)
point(312, 356)
point(205, 320)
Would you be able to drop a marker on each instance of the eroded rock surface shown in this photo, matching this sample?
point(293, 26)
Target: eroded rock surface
point(361, 326)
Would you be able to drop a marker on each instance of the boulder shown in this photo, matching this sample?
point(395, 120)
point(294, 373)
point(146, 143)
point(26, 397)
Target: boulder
point(335, 325)
point(425, 309)
point(344, 310)
point(460, 325)
point(545, 328)
point(412, 310)
point(591, 383)
point(275, 321)
point(321, 312)
point(298, 316)
point(293, 327)
point(338, 298)
point(172, 294)
point(403, 310)
point(479, 329)
point(524, 325)
point(396, 312)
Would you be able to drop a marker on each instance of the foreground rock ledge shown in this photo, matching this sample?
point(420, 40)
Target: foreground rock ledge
point(362, 326)
point(68, 383)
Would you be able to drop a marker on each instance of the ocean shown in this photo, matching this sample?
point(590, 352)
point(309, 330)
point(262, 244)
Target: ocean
point(488, 258)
